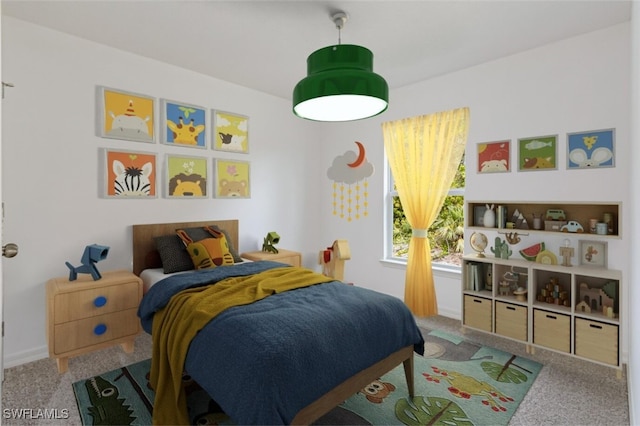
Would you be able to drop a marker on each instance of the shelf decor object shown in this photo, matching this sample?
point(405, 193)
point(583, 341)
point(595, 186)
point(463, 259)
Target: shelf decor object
point(478, 242)
point(593, 253)
point(340, 83)
point(93, 254)
point(269, 241)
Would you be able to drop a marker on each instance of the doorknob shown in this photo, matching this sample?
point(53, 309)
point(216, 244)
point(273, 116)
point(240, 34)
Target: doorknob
point(9, 250)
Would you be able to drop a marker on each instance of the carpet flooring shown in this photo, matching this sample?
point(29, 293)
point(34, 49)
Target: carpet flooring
point(567, 391)
point(456, 382)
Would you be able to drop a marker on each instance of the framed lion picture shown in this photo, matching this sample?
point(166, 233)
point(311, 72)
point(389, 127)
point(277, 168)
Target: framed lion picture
point(187, 177)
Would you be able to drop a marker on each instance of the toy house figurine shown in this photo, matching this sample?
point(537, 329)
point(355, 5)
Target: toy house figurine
point(332, 259)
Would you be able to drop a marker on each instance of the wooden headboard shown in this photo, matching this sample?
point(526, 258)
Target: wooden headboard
point(146, 256)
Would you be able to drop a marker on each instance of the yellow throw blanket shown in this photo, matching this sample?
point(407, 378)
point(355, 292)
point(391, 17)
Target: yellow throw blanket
point(188, 312)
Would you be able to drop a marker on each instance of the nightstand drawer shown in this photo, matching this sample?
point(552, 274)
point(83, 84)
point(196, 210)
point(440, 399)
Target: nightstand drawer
point(90, 331)
point(96, 301)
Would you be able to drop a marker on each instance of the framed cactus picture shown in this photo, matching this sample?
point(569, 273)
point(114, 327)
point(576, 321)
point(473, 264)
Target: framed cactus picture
point(125, 115)
point(183, 124)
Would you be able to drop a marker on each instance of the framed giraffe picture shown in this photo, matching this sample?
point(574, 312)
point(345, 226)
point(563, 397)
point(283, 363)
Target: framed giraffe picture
point(183, 124)
point(230, 132)
point(129, 174)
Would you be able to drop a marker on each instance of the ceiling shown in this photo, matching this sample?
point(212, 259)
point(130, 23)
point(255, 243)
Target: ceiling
point(264, 44)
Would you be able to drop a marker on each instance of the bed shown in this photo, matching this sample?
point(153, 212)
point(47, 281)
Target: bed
point(286, 377)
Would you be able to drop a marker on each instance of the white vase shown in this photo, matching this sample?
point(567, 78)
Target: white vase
point(489, 219)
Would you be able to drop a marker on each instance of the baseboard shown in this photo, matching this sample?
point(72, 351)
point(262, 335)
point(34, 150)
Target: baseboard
point(450, 313)
point(24, 357)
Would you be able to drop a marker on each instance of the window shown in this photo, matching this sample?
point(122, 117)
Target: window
point(446, 235)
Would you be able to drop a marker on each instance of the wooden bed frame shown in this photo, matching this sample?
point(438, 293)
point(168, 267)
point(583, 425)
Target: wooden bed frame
point(146, 256)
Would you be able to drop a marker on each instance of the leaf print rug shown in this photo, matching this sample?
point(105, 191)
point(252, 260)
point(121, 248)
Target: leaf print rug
point(457, 382)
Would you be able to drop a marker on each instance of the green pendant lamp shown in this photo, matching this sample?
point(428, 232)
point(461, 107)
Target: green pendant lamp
point(340, 83)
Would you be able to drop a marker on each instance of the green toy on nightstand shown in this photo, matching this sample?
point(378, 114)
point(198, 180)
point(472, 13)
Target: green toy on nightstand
point(271, 239)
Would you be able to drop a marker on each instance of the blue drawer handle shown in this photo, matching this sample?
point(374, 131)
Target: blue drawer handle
point(100, 301)
point(100, 329)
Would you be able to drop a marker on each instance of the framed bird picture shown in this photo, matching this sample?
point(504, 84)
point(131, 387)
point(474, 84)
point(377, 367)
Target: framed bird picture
point(230, 132)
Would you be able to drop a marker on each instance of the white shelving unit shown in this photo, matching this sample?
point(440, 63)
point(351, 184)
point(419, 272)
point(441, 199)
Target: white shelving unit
point(575, 310)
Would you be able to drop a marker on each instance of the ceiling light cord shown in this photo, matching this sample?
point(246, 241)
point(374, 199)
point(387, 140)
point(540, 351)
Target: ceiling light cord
point(339, 18)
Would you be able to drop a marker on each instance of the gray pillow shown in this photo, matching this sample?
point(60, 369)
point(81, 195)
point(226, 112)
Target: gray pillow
point(173, 254)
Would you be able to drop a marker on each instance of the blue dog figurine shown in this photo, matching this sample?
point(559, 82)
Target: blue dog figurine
point(92, 255)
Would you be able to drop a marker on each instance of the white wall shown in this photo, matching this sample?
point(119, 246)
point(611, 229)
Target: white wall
point(50, 167)
point(50, 157)
point(633, 370)
point(578, 84)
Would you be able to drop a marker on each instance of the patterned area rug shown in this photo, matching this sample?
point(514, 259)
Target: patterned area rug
point(456, 383)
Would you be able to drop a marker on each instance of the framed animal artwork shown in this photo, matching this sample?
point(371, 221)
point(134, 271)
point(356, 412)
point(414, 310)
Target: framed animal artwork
point(125, 115)
point(183, 124)
point(129, 174)
point(592, 253)
point(232, 179)
point(187, 177)
point(590, 150)
point(537, 153)
point(230, 132)
point(494, 157)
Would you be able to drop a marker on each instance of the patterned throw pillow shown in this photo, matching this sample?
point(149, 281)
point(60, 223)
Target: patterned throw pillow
point(200, 233)
point(209, 252)
point(173, 254)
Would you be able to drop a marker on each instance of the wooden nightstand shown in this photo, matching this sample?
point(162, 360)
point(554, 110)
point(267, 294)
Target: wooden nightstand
point(85, 315)
point(292, 258)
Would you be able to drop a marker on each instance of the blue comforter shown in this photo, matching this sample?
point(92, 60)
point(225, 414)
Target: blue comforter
point(264, 362)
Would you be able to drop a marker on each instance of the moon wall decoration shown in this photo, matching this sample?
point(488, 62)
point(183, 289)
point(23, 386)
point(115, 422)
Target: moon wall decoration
point(361, 156)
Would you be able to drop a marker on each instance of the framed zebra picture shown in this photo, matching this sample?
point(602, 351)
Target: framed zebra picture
point(130, 174)
point(187, 177)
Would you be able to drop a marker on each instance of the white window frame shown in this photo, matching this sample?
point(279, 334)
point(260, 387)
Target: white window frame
point(390, 193)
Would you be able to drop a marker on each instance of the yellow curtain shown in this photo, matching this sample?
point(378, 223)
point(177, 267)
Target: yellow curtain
point(424, 153)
